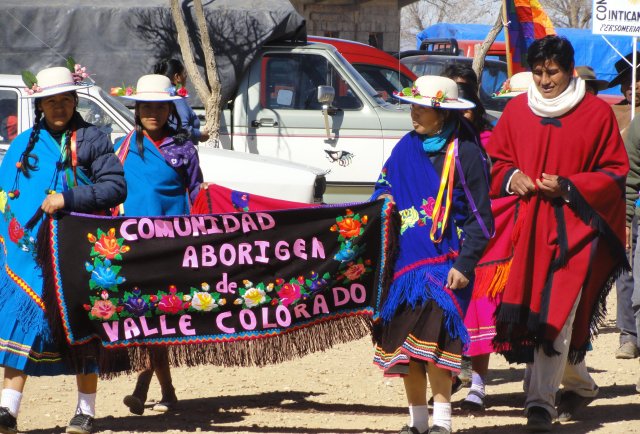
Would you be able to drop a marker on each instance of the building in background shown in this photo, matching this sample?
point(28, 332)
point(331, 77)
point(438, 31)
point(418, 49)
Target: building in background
point(373, 22)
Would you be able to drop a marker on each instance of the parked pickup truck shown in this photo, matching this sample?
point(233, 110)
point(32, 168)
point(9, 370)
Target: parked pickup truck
point(306, 103)
point(256, 174)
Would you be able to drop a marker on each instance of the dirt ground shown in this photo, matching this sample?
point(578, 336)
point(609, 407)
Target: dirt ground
point(337, 391)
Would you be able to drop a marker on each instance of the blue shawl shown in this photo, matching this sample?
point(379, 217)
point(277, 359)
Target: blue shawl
point(409, 176)
point(153, 187)
point(21, 278)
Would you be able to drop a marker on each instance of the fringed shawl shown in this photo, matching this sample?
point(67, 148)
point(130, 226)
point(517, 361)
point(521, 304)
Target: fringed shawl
point(422, 266)
point(560, 249)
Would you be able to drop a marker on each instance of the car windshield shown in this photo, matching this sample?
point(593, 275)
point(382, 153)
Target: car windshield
point(362, 82)
point(384, 80)
point(493, 75)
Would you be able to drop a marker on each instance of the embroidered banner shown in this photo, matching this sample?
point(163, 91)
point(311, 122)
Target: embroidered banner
point(215, 287)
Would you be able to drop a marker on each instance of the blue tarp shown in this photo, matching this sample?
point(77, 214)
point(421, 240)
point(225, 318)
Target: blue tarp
point(590, 49)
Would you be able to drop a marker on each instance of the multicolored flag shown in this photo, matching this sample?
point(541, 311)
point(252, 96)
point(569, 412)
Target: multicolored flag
point(527, 21)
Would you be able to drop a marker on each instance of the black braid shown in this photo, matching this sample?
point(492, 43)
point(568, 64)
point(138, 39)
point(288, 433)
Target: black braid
point(139, 133)
point(181, 135)
point(28, 160)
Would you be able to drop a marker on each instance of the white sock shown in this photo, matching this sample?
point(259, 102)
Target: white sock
point(86, 404)
point(477, 386)
point(11, 399)
point(419, 417)
point(442, 414)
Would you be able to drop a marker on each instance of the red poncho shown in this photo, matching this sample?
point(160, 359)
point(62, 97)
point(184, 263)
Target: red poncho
point(560, 248)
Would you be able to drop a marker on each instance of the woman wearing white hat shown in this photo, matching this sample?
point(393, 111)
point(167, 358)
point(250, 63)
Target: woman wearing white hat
point(438, 178)
point(62, 163)
point(163, 176)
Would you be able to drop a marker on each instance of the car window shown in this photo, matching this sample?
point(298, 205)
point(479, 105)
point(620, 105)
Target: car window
point(8, 115)
point(93, 113)
point(385, 81)
point(290, 81)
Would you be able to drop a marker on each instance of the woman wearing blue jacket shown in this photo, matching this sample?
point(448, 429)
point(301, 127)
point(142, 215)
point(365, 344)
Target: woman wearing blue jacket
point(61, 164)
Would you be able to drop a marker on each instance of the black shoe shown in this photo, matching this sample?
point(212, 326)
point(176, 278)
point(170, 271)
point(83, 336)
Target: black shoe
point(437, 429)
point(8, 423)
point(80, 424)
point(538, 420)
point(135, 404)
point(411, 430)
point(473, 406)
point(570, 404)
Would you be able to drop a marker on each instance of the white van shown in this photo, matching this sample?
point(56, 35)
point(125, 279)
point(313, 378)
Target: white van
point(256, 174)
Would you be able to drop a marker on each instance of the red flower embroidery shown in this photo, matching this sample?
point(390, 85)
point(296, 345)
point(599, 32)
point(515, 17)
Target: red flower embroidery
point(15, 230)
point(289, 293)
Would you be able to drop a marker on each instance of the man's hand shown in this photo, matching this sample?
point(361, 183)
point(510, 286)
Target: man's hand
point(549, 186)
point(52, 203)
point(521, 184)
point(456, 280)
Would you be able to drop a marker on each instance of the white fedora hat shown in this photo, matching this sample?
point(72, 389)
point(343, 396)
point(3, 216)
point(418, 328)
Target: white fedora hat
point(52, 81)
point(518, 84)
point(153, 88)
point(434, 91)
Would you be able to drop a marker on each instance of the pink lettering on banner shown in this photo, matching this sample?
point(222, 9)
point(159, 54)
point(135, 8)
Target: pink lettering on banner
point(244, 257)
point(124, 230)
point(145, 328)
point(248, 319)
point(111, 330)
point(248, 224)
point(340, 296)
point(221, 326)
point(184, 324)
point(187, 226)
point(164, 329)
point(282, 250)
point(317, 248)
point(301, 310)
point(190, 259)
point(358, 293)
point(214, 229)
point(230, 223)
point(145, 228)
point(227, 254)
point(208, 256)
point(131, 329)
point(163, 229)
point(265, 319)
point(263, 246)
point(197, 226)
point(265, 221)
point(283, 316)
point(299, 249)
point(320, 305)
point(224, 287)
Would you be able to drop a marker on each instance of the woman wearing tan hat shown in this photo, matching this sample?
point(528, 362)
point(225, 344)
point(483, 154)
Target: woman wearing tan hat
point(163, 176)
point(61, 164)
point(438, 178)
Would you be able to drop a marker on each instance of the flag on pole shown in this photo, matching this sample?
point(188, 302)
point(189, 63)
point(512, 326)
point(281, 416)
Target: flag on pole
point(527, 21)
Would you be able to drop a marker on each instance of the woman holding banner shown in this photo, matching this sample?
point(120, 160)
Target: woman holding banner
point(438, 177)
point(163, 176)
point(61, 164)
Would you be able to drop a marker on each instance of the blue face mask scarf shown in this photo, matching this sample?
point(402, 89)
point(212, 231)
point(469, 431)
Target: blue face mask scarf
point(435, 143)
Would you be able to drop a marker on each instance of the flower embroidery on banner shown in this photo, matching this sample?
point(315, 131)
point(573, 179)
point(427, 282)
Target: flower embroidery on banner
point(289, 293)
point(254, 297)
point(103, 309)
point(107, 245)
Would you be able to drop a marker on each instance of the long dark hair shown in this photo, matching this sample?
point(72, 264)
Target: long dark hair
point(179, 136)
point(479, 122)
point(169, 68)
point(28, 160)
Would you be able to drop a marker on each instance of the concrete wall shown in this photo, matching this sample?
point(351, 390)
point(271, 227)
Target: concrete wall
point(356, 20)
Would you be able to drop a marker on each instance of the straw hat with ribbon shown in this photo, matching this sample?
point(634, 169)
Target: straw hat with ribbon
point(518, 84)
point(55, 80)
point(434, 91)
point(150, 88)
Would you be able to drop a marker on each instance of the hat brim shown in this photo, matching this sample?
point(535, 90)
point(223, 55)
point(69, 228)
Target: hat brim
point(598, 84)
point(617, 80)
point(457, 104)
point(59, 89)
point(511, 94)
point(151, 97)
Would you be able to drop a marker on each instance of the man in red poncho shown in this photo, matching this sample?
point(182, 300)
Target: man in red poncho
point(558, 149)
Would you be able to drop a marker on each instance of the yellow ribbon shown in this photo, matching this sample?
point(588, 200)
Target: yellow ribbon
point(438, 215)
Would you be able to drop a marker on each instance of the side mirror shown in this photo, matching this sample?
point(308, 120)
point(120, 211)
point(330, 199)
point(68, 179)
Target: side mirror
point(326, 94)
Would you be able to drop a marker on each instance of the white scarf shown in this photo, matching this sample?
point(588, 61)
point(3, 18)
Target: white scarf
point(555, 107)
